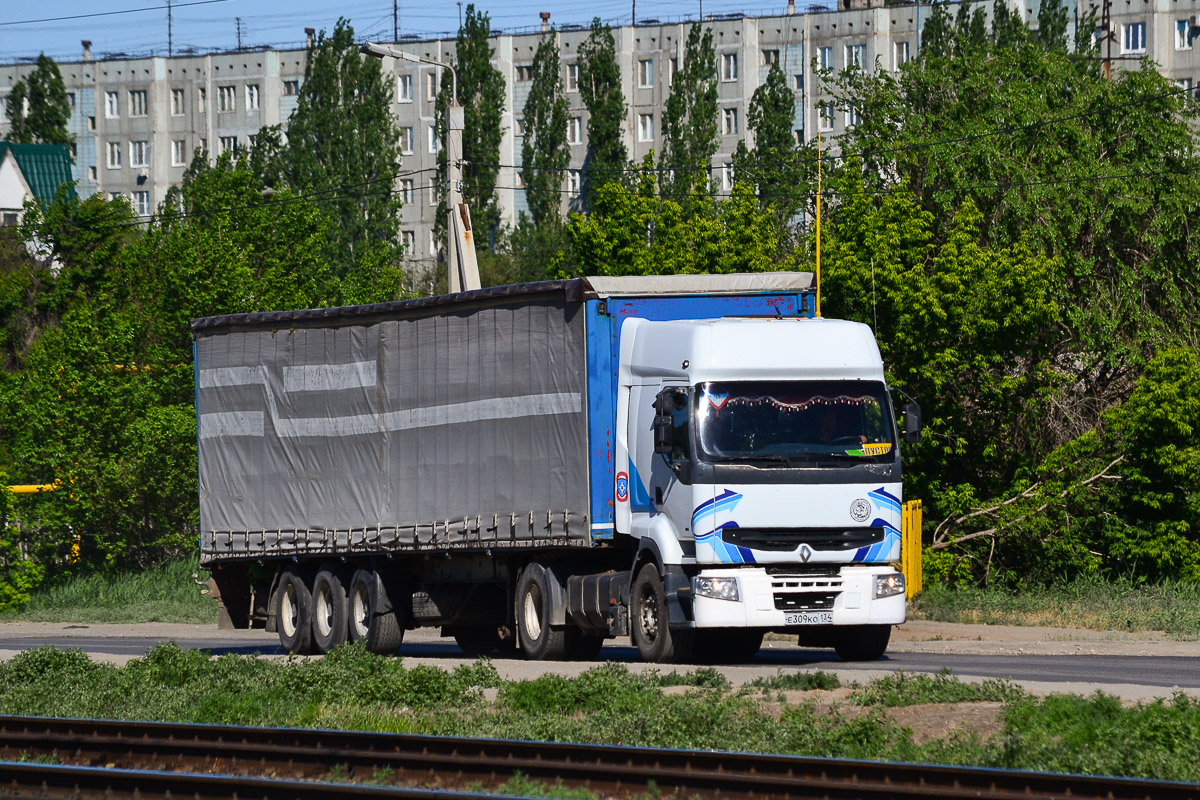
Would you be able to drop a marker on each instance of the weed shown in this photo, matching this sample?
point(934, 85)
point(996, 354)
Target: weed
point(384, 776)
point(910, 689)
point(520, 786)
point(40, 758)
point(799, 681)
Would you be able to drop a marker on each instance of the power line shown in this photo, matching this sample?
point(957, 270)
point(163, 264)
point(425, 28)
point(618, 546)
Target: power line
point(109, 13)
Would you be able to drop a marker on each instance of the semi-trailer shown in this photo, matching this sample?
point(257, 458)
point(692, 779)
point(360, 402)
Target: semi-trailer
point(689, 460)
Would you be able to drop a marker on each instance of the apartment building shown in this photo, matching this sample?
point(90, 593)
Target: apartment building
point(137, 122)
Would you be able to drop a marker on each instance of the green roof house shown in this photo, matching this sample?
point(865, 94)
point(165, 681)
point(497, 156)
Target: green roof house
point(30, 171)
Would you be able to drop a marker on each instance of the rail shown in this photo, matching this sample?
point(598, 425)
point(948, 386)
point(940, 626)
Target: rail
point(100, 758)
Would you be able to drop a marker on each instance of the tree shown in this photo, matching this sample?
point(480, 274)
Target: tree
point(45, 94)
point(544, 149)
point(690, 119)
point(481, 94)
point(773, 167)
point(600, 88)
point(343, 145)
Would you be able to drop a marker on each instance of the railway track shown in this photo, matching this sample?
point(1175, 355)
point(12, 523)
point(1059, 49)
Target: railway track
point(110, 759)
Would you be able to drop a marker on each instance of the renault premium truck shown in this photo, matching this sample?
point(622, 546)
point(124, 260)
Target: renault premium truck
point(688, 460)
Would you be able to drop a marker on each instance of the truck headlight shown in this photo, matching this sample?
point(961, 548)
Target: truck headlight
point(717, 588)
point(888, 585)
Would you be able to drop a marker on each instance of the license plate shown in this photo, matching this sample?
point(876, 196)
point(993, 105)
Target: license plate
point(809, 618)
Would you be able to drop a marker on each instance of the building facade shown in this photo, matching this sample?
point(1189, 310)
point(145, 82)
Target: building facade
point(137, 122)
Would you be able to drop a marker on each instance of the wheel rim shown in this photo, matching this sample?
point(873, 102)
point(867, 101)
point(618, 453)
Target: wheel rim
point(361, 612)
point(290, 610)
point(648, 614)
point(323, 611)
point(532, 615)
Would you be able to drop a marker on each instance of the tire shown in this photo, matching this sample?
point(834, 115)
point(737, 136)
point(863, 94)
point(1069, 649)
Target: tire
point(655, 641)
point(477, 640)
point(379, 631)
point(862, 642)
point(727, 646)
point(331, 610)
point(293, 612)
point(538, 641)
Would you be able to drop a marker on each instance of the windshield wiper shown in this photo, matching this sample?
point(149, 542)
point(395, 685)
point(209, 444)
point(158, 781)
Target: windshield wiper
point(753, 461)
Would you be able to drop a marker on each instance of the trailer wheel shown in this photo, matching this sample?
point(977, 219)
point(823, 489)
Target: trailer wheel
point(294, 612)
point(379, 631)
point(861, 642)
point(539, 641)
point(330, 609)
point(655, 641)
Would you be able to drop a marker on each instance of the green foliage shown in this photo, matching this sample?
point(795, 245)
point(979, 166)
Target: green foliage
point(914, 688)
point(796, 681)
point(343, 145)
point(481, 94)
point(774, 166)
point(544, 150)
point(49, 110)
point(600, 89)
point(689, 121)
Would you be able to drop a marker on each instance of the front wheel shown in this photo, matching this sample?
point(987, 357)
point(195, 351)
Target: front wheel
point(655, 641)
point(861, 642)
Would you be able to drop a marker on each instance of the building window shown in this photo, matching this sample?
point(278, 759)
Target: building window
point(291, 88)
point(727, 177)
point(770, 58)
point(646, 73)
point(900, 51)
point(91, 125)
point(406, 190)
point(729, 121)
point(404, 89)
point(1134, 39)
point(115, 196)
point(433, 245)
point(10, 219)
point(826, 54)
point(575, 130)
point(518, 126)
point(139, 154)
point(853, 116)
point(433, 139)
point(672, 68)
point(433, 196)
point(798, 136)
point(137, 103)
point(573, 183)
point(71, 98)
point(177, 103)
point(141, 203)
point(202, 100)
point(1183, 41)
point(112, 105)
point(406, 141)
point(855, 53)
point(825, 118)
point(525, 72)
point(92, 173)
point(204, 144)
point(798, 82)
point(226, 99)
point(520, 179)
point(178, 152)
point(252, 97)
point(114, 155)
point(645, 127)
point(226, 144)
point(729, 66)
point(410, 241)
point(572, 77)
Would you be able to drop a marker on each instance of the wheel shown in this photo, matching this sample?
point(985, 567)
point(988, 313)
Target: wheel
point(477, 640)
point(538, 640)
point(584, 647)
point(293, 612)
point(861, 642)
point(725, 646)
point(379, 630)
point(655, 641)
point(331, 615)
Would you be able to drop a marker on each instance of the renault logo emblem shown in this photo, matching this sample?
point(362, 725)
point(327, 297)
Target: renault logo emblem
point(805, 553)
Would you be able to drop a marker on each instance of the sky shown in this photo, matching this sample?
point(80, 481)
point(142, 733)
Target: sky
point(139, 27)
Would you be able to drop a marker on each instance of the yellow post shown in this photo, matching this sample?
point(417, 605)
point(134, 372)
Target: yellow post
point(911, 519)
point(32, 488)
point(818, 309)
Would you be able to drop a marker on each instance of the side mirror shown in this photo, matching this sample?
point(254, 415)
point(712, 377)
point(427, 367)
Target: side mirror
point(664, 434)
point(912, 422)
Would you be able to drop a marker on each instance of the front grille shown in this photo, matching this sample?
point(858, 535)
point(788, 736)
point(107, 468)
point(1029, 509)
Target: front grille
point(788, 539)
point(804, 601)
point(804, 570)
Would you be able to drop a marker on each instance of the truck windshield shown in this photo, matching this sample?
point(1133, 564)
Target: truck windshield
point(786, 422)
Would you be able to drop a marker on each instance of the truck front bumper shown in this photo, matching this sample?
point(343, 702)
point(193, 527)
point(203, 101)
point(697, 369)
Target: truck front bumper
point(796, 601)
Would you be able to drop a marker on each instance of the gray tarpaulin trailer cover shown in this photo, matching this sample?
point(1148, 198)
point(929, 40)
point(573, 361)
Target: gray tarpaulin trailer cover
point(394, 426)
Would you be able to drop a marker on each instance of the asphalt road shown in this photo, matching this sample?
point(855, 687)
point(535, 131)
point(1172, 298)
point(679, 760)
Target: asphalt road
point(1117, 672)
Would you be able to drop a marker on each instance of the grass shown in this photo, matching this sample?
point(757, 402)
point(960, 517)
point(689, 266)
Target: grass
point(1173, 607)
point(164, 593)
point(352, 689)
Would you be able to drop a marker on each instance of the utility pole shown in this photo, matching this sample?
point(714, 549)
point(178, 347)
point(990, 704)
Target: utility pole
point(461, 264)
point(395, 20)
point(239, 31)
point(1106, 26)
point(170, 32)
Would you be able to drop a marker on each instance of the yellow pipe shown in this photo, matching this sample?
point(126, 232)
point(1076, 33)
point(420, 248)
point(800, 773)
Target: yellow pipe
point(818, 309)
point(32, 488)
